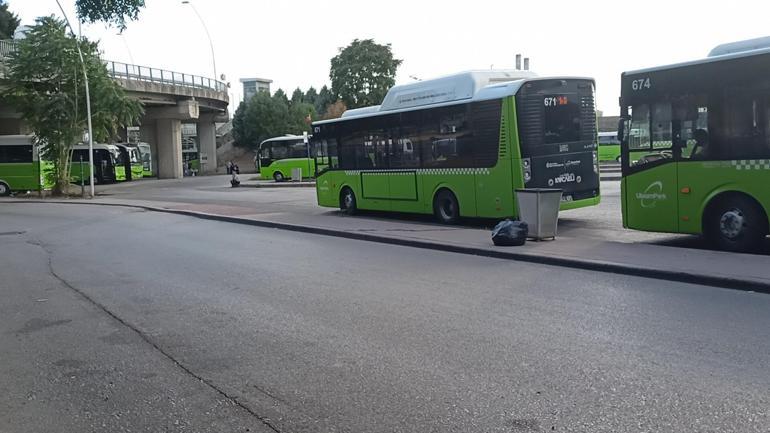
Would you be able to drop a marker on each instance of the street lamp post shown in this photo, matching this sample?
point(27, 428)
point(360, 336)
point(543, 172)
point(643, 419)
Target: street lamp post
point(211, 44)
point(88, 101)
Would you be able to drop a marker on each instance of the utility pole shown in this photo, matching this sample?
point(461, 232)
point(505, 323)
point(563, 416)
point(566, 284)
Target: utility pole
point(88, 102)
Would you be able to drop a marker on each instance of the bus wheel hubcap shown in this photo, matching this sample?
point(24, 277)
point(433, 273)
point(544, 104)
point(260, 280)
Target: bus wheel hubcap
point(348, 200)
point(731, 224)
point(448, 209)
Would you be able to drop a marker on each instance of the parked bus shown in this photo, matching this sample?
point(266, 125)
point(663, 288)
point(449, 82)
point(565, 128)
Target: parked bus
point(277, 157)
point(19, 164)
point(695, 146)
point(145, 152)
point(609, 146)
point(131, 161)
point(190, 157)
point(105, 163)
point(459, 146)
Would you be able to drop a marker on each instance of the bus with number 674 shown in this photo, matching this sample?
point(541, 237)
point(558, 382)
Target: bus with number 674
point(695, 146)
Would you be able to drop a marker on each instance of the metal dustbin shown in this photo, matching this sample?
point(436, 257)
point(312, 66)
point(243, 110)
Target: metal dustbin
point(539, 208)
point(296, 174)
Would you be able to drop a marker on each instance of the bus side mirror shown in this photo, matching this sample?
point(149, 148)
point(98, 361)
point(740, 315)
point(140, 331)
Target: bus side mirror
point(623, 128)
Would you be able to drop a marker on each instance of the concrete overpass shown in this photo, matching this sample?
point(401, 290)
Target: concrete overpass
point(169, 99)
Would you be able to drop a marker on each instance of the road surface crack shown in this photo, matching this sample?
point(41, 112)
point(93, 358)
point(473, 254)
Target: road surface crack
point(264, 420)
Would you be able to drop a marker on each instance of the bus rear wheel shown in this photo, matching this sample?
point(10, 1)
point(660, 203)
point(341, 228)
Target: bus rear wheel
point(446, 208)
point(736, 223)
point(278, 176)
point(4, 189)
point(348, 201)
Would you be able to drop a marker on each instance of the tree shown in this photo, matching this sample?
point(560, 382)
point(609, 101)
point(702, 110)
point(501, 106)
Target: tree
point(335, 110)
point(324, 99)
point(297, 97)
point(260, 118)
point(310, 96)
point(8, 21)
point(280, 95)
point(363, 72)
point(115, 12)
point(45, 84)
point(265, 116)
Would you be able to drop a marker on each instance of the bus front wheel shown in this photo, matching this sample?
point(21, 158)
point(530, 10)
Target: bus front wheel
point(278, 176)
point(446, 208)
point(348, 201)
point(736, 223)
point(4, 189)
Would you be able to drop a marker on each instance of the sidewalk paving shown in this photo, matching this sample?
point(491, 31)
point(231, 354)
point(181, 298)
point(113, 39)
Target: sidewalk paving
point(737, 271)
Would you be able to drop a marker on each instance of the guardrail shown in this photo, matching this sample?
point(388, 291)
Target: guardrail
point(128, 72)
point(6, 47)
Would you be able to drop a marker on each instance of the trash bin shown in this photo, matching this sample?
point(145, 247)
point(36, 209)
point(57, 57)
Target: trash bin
point(539, 208)
point(296, 174)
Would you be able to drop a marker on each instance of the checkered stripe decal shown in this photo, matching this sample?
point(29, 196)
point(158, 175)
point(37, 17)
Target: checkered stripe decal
point(434, 171)
point(752, 164)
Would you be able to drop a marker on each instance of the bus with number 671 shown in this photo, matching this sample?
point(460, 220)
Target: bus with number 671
point(460, 145)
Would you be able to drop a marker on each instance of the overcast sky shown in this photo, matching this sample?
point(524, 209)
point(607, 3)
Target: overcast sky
point(291, 42)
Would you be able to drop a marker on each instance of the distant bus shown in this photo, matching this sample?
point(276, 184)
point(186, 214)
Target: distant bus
point(277, 157)
point(609, 146)
point(459, 146)
point(695, 146)
point(131, 161)
point(105, 163)
point(145, 152)
point(19, 164)
point(190, 157)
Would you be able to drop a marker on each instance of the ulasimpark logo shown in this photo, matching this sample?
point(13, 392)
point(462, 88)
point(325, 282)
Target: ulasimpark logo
point(650, 197)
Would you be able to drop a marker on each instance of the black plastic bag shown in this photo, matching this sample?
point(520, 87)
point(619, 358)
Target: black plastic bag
point(510, 233)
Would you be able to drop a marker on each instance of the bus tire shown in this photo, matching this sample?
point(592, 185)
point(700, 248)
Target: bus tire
point(735, 222)
point(4, 189)
point(278, 176)
point(348, 201)
point(446, 208)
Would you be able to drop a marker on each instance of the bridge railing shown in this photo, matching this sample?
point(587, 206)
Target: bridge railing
point(6, 47)
point(129, 72)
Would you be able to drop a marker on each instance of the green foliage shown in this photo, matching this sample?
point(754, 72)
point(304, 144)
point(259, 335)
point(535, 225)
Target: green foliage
point(310, 96)
point(298, 96)
point(362, 73)
point(335, 110)
point(114, 12)
point(324, 99)
point(8, 21)
point(45, 84)
point(264, 117)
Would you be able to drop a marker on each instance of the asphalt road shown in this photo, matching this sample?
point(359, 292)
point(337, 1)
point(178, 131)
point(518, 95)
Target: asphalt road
point(119, 320)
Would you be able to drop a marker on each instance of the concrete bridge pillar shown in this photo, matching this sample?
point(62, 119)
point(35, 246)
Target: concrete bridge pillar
point(207, 140)
point(169, 133)
point(167, 140)
point(148, 134)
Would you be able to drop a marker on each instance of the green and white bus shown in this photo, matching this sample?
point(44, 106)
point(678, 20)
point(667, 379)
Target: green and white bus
point(277, 157)
point(130, 160)
point(19, 164)
point(459, 146)
point(145, 153)
point(695, 146)
point(105, 163)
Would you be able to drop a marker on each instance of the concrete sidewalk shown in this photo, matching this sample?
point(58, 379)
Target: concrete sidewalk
point(716, 268)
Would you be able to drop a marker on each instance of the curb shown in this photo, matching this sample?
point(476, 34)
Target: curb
point(583, 264)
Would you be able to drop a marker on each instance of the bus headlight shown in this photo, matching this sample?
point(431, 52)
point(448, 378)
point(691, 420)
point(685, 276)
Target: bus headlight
point(526, 168)
point(596, 162)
